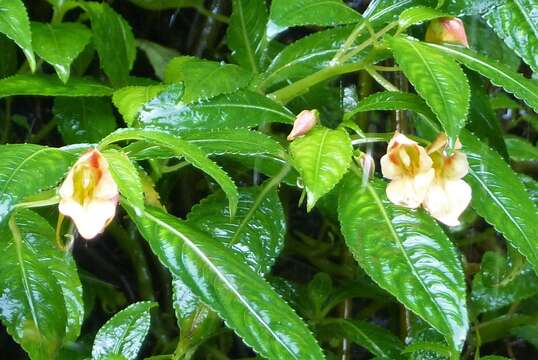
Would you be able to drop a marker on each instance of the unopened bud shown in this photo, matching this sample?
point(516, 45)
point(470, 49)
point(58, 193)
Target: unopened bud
point(447, 30)
point(304, 122)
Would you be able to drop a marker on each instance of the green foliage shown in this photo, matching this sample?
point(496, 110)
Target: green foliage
point(286, 13)
point(15, 25)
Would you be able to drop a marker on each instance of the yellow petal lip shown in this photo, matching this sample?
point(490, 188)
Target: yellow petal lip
point(89, 195)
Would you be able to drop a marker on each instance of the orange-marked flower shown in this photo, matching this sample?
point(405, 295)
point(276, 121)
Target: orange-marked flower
point(304, 122)
point(410, 168)
point(89, 194)
point(447, 30)
point(448, 196)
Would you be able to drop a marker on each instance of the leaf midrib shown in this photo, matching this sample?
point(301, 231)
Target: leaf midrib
point(8, 181)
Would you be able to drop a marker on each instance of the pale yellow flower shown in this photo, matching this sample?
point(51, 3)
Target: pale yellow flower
point(89, 194)
point(410, 168)
point(448, 196)
point(304, 122)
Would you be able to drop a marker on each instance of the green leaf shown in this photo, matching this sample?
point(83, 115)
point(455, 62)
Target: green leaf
point(114, 41)
point(498, 74)
point(384, 11)
point(494, 357)
point(406, 253)
point(33, 308)
point(130, 100)
point(190, 152)
point(124, 333)
point(84, 119)
point(501, 200)
point(438, 80)
point(15, 25)
point(377, 340)
point(531, 185)
point(515, 21)
point(237, 110)
point(246, 34)
point(322, 157)
point(418, 14)
point(222, 281)
point(158, 55)
point(166, 4)
point(60, 44)
point(26, 169)
point(203, 79)
point(256, 232)
point(528, 333)
point(286, 13)
point(126, 177)
point(520, 149)
point(50, 85)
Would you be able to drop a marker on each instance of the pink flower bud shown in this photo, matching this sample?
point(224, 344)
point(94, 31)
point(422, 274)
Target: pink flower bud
point(447, 30)
point(304, 122)
point(89, 194)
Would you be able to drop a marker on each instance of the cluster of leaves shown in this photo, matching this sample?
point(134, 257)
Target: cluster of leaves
point(227, 263)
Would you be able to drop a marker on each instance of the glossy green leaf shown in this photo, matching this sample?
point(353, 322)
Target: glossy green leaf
point(246, 34)
point(256, 232)
point(60, 44)
point(26, 169)
point(322, 157)
point(406, 253)
point(520, 149)
point(50, 85)
point(15, 25)
point(158, 55)
point(31, 301)
point(482, 119)
point(237, 110)
point(418, 14)
point(531, 185)
point(114, 41)
point(126, 177)
point(501, 200)
point(286, 13)
point(377, 340)
point(384, 11)
point(83, 119)
point(166, 4)
point(203, 79)
point(420, 334)
point(124, 333)
point(498, 74)
point(439, 81)
point(130, 100)
point(182, 148)
point(222, 281)
point(516, 21)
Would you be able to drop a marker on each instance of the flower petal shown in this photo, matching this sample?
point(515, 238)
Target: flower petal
point(389, 169)
point(446, 200)
point(410, 191)
point(456, 166)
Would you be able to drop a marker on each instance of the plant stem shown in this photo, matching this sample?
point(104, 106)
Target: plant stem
point(381, 80)
point(219, 17)
point(41, 134)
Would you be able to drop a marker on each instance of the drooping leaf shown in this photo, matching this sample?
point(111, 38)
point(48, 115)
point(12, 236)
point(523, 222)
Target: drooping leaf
point(114, 41)
point(32, 305)
point(130, 100)
point(501, 200)
point(256, 232)
point(26, 169)
point(516, 22)
point(203, 79)
point(15, 25)
point(439, 81)
point(520, 149)
point(60, 44)
point(286, 13)
point(50, 85)
point(246, 34)
point(124, 333)
point(166, 4)
point(158, 55)
point(83, 119)
point(406, 253)
point(322, 157)
point(377, 340)
point(222, 281)
point(237, 110)
point(126, 177)
point(182, 148)
point(498, 74)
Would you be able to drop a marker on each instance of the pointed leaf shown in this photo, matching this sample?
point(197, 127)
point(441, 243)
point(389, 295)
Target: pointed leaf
point(222, 281)
point(439, 81)
point(322, 157)
point(158, 55)
point(124, 333)
point(418, 14)
point(384, 11)
point(520, 149)
point(406, 253)
point(286, 13)
point(60, 44)
point(15, 25)
point(130, 100)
